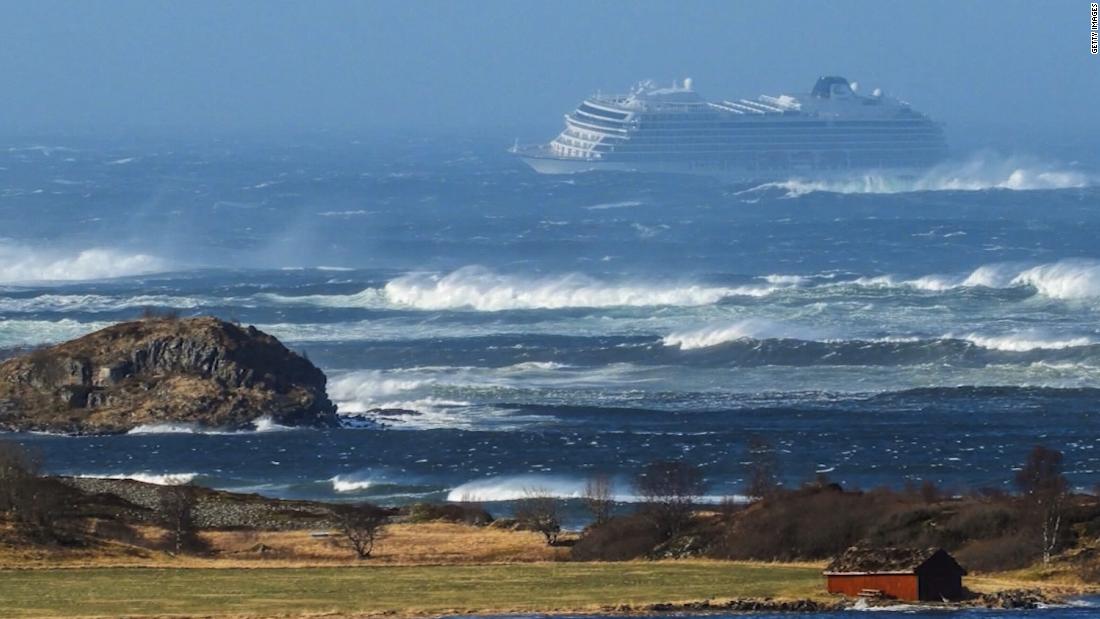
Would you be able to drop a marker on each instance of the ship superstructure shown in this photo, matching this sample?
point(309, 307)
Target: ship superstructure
point(830, 131)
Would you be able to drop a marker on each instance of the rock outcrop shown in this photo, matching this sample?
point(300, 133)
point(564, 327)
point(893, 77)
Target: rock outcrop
point(200, 371)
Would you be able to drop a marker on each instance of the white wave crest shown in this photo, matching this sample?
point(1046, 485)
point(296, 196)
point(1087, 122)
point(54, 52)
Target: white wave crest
point(1067, 279)
point(267, 424)
point(350, 483)
point(481, 289)
point(982, 171)
point(17, 333)
point(24, 264)
point(1023, 342)
point(749, 329)
point(160, 479)
point(516, 487)
point(260, 424)
point(166, 428)
point(97, 302)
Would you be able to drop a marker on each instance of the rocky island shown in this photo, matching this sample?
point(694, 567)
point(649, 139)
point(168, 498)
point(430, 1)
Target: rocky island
point(199, 371)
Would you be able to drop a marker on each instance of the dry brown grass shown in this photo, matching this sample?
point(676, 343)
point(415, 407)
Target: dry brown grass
point(435, 543)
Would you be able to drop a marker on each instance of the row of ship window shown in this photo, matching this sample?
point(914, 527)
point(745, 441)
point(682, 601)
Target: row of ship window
point(711, 120)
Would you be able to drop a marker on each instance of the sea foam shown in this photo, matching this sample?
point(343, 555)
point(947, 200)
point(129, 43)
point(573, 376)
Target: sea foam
point(485, 290)
point(24, 264)
point(981, 171)
point(748, 329)
point(517, 487)
point(1026, 341)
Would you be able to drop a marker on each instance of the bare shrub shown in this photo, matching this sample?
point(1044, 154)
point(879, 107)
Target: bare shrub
point(540, 511)
point(999, 554)
point(763, 478)
point(153, 313)
point(669, 490)
point(361, 526)
point(448, 512)
point(599, 497)
point(929, 492)
point(728, 507)
point(34, 503)
point(177, 514)
point(810, 523)
point(1044, 489)
point(621, 538)
point(18, 467)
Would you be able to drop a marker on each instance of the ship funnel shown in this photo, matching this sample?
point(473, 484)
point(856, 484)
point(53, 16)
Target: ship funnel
point(687, 83)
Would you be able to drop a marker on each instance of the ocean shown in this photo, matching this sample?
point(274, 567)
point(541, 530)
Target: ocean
point(527, 331)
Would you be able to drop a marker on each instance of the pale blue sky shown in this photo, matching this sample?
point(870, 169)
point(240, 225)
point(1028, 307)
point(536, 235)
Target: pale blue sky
point(225, 67)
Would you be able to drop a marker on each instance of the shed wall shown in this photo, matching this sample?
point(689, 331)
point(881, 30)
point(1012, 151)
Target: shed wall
point(900, 586)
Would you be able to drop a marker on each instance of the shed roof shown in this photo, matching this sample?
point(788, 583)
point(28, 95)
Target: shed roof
point(888, 560)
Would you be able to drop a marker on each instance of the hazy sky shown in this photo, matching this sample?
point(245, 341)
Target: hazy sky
point(217, 67)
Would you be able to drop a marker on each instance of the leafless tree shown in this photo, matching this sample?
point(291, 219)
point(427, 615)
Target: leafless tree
point(540, 511)
point(32, 501)
point(763, 464)
point(361, 526)
point(1045, 489)
point(599, 497)
point(669, 490)
point(177, 514)
point(18, 467)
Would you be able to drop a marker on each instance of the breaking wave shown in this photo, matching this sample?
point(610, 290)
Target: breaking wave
point(350, 483)
point(516, 487)
point(1068, 279)
point(93, 303)
point(260, 424)
point(1024, 342)
point(24, 264)
point(18, 333)
point(981, 172)
point(480, 289)
point(750, 329)
point(1065, 279)
point(485, 290)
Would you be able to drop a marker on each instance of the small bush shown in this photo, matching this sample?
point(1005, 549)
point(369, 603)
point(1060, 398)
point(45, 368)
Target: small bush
point(621, 538)
point(1003, 553)
point(448, 512)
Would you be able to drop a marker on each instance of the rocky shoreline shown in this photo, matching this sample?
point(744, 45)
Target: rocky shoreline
point(199, 371)
point(214, 509)
point(1012, 599)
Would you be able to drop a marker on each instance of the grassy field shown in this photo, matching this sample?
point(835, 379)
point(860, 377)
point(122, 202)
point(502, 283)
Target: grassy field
point(266, 592)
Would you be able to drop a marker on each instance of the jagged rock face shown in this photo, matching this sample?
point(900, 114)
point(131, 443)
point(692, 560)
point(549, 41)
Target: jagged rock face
point(162, 370)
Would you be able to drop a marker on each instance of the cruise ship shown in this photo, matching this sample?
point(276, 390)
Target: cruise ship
point(830, 132)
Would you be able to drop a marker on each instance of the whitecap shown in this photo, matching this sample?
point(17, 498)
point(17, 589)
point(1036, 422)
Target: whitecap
point(749, 329)
point(350, 483)
point(24, 264)
point(1026, 341)
point(485, 290)
point(1067, 279)
point(517, 487)
point(980, 172)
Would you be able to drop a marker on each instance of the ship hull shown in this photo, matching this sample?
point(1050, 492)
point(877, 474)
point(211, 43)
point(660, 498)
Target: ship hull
point(555, 165)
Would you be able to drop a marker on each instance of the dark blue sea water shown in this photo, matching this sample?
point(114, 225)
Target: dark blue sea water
point(877, 330)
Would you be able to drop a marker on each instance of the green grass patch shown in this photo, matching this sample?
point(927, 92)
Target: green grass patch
point(113, 592)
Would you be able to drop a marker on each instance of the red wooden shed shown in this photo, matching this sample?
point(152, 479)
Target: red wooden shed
point(927, 574)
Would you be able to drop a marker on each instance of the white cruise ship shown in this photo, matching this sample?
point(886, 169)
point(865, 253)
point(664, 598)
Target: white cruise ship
point(830, 132)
